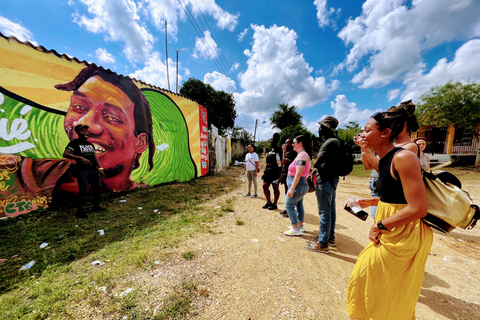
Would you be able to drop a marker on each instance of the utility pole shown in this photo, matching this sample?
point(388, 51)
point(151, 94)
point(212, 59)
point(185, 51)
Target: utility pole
point(255, 132)
point(166, 54)
point(176, 88)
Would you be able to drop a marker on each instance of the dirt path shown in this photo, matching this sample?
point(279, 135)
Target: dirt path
point(254, 271)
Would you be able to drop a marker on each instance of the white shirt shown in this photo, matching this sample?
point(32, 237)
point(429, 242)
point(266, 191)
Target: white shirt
point(250, 160)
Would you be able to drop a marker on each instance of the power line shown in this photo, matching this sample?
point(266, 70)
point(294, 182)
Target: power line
point(213, 36)
point(208, 47)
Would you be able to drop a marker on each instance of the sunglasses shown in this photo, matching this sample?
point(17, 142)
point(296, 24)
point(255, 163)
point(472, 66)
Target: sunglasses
point(378, 116)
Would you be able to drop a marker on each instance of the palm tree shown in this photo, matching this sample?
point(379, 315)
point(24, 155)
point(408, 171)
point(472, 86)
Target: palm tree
point(285, 116)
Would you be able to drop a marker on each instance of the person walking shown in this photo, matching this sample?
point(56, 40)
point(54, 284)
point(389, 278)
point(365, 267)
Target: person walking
point(297, 186)
point(251, 167)
point(327, 181)
point(89, 171)
point(400, 240)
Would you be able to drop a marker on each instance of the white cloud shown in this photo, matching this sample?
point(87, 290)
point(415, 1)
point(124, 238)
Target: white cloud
point(119, 21)
point(346, 111)
point(464, 67)
point(324, 13)
point(205, 47)
point(174, 10)
point(161, 10)
point(242, 35)
point(278, 73)
point(103, 56)
point(393, 94)
point(220, 82)
point(12, 29)
point(155, 72)
point(235, 66)
point(224, 19)
point(390, 37)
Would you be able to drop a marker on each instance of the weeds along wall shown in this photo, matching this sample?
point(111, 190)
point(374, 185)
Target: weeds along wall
point(143, 135)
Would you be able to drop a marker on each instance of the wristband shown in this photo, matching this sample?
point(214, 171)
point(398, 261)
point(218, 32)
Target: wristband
point(363, 152)
point(100, 169)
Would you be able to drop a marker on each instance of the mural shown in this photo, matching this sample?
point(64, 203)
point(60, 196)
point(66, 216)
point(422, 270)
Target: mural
point(142, 135)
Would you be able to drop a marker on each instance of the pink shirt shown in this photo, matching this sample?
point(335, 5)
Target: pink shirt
point(292, 168)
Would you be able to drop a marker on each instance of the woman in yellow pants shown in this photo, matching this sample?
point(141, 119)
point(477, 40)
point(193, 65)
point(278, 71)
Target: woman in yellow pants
point(387, 278)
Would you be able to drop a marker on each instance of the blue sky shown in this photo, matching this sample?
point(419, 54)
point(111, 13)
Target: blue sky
point(342, 58)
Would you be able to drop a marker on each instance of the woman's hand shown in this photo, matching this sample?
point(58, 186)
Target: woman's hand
point(375, 234)
point(290, 193)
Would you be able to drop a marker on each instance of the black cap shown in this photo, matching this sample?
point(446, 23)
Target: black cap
point(80, 127)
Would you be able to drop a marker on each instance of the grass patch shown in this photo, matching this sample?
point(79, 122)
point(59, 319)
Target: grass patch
point(64, 284)
point(240, 223)
point(189, 255)
point(227, 208)
point(359, 171)
point(177, 305)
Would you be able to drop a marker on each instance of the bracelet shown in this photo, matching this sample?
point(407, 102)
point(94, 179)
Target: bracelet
point(363, 152)
point(100, 169)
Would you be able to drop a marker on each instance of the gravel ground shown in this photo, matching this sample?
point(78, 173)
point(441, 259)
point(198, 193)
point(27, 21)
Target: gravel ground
point(254, 271)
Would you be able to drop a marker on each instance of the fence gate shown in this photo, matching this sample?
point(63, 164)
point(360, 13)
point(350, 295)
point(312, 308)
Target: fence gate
point(436, 139)
point(464, 142)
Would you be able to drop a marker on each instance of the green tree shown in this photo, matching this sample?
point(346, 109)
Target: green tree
point(220, 104)
point(241, 134)
point(455, 103)
point(285, 116)
point(296, 130)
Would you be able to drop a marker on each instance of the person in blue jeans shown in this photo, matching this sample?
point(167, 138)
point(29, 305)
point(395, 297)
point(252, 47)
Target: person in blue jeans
point(327, 181)
point(297, 186)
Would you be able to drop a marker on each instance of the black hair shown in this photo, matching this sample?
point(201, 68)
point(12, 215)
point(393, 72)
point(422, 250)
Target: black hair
point(305, 142)
point(393, 121)
point(141, 112)
point(407, 108)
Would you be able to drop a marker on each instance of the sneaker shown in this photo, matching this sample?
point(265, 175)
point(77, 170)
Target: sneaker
point(332, 243)
point(98, 208)
point(254, 196)
point(267, 205)
point(302, 228)
point(293, 232)
point(317, 247)
point(247, 194)
point(284, 213)
point(273, 206)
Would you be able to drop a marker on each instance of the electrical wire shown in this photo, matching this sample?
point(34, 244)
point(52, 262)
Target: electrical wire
point(210, 47)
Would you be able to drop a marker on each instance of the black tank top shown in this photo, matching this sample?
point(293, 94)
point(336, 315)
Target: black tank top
point(390, 190)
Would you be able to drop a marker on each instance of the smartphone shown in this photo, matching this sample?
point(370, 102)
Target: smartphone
point(356, 210)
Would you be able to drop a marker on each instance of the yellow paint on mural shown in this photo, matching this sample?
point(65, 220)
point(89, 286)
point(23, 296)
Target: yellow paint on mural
point(33, 74)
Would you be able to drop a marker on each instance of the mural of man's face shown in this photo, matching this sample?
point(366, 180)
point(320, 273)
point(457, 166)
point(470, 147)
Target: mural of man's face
point(108, 112)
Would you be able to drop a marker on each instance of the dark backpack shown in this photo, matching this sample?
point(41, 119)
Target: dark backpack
point(345, 159)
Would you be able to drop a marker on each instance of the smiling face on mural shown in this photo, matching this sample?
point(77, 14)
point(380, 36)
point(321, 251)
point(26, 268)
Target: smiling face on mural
point(109, 113)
